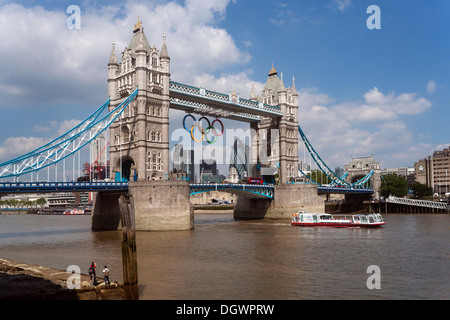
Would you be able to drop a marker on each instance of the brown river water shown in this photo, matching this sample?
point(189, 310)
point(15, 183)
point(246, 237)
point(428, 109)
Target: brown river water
point(250, 260)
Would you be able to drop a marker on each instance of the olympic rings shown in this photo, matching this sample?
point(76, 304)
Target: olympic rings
point(214, 132)
point(184, 121)
point(210, 127)
point(192, 132)
point(218, 135)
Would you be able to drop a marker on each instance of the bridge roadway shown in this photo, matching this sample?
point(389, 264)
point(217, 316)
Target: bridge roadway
point(251, 190)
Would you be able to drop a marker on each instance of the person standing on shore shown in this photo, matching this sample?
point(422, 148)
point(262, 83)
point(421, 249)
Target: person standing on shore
point(106, 275)
point(92, 274)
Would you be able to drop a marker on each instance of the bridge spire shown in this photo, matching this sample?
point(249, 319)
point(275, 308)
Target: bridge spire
point(113, 58)
point(253, 96)
point(272, 71)
point(138, 25)
point(164, 51)
point(282, 87)
point(294, 89)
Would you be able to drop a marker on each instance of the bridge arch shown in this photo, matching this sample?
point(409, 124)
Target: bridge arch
point(126, 167)
point(355, 178)
point(251, 191)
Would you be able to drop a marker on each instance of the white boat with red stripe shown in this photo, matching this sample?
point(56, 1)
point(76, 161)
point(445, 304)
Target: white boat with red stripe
point(305, 218)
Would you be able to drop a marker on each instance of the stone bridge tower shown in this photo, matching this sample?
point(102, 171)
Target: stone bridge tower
point(359, 167)
point(139, 139)
point(275, 150)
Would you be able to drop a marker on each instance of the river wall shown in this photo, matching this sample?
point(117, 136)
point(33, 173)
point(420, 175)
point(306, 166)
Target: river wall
point(22, 281)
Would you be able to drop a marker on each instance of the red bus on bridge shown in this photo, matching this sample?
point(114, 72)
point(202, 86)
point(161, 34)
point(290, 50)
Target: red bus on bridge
point(253, 180)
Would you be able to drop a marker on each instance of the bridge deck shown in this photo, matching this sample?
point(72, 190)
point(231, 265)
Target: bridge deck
point(251, 190)
point(343, 190)
point(31, 187)
point(193, 99)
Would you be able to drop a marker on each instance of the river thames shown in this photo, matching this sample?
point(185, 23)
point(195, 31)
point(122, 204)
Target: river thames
point(250, 260)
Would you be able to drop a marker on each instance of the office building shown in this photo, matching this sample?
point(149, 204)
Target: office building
point(434, 171)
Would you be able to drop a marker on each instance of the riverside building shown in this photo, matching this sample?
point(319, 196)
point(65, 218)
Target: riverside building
point(434, 171)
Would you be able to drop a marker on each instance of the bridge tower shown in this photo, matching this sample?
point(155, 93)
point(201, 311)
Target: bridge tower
point(359, 167)
point(275, 147)
point(139, 139)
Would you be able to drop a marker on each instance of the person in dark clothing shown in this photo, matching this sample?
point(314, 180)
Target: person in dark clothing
point(92, 274)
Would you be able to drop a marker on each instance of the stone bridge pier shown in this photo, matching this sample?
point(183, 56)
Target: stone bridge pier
point(288, 199)
point(159, 205)
point(164, 205)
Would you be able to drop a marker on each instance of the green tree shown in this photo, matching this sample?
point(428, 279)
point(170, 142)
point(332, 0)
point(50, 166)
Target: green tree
point(41, 201)
point(393, 184)
point(319, 177)
point(421, 190)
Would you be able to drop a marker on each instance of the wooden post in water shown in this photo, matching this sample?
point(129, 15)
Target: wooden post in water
point(129, 255)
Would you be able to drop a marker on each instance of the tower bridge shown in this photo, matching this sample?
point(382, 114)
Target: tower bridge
point(137, 125)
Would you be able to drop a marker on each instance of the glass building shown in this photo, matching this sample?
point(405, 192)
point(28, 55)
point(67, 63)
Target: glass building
point(240, 157)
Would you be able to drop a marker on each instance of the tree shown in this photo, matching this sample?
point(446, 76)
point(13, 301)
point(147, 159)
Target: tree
point(421, 190)
point(393, 184)
point(41, 202)
point(319, 177)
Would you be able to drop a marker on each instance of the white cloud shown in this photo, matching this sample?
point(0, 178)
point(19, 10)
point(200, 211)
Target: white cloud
point(226, 83)
point(383, 107)
point(431, 87)
point(42, 60)
point(15, 146)
point(282, 13)
point(403, 104)
point(375, 127)
point(309, 97)
point(340, 5)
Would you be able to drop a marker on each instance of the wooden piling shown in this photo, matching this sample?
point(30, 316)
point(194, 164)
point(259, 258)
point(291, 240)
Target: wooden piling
point(129, 254)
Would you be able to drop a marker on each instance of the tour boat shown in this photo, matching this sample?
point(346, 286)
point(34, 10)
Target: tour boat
point(74, 211)
point(308, 219)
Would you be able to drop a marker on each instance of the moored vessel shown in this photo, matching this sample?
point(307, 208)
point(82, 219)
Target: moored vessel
point(74, 212)
point(307, 219)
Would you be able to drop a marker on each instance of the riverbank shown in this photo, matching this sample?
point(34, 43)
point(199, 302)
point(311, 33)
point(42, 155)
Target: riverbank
point(21, 281)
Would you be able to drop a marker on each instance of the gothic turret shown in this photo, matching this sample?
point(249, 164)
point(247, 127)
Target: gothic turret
point(164, 52)
point(139, 147)
point(281, 144)
point(113, 67)
point(253, 96)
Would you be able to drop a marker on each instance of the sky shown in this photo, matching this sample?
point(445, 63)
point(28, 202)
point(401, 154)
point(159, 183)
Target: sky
point(362, 92)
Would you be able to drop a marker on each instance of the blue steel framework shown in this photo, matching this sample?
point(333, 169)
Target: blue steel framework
point(66, 144)
point(199, 100)
point(78, 137)
point(336, 180)
point(36, 187)
point(251, 190)
point(258, 191)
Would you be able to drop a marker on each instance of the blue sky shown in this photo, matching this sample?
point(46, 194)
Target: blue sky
point(362, 92)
